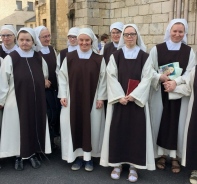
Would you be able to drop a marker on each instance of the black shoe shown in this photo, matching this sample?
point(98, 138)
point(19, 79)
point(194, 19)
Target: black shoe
point(35, 162)
point(19, 164)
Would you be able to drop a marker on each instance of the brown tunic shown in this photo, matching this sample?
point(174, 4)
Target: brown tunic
point(63, 55)
point(168, 131)
point(83, 77)
point(108, 50)
point(2, 52)
point(191, 150)
point(127, 142)
point(30, 97)
point(51, 63)
point(53, 103)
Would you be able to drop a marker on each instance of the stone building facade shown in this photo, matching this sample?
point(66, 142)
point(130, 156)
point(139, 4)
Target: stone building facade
point(151, 17)
point(62, 23)
point(31, 22)
point(46, 15)
point(16, 12)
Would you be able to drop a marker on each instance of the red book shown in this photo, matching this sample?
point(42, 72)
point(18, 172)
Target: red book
point(132, 84)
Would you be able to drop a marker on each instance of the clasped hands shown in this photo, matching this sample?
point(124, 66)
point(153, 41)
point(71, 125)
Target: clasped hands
point(126, 99)
point(169, 85)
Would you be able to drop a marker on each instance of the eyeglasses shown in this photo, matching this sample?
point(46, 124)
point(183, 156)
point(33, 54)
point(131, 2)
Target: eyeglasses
point(129, 34)
point(45, 37)
point(116, 33)
point(6, 35)
point(72, 37)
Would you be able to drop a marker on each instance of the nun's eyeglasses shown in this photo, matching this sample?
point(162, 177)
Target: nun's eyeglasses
point(6, 35)
point(72, 37)
point(129, 34)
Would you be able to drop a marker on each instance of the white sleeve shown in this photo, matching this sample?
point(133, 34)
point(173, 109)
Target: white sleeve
point(45, 69)
point(102, 83)
point(6, 70)
point(153, 60)
point(114, 88)
point(192, 62)
point(141, 92)
point(58, 64)
point(63, 80)
point(183, 89)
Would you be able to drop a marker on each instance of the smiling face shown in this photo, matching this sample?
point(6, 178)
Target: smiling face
point(45, 37)
point(85, 42)
point(8, 38)
point(130, 37)
point(177, 32)
point(115, 35)
point(25, 41)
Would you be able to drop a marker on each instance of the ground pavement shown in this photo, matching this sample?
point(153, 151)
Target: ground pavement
point(57, 171)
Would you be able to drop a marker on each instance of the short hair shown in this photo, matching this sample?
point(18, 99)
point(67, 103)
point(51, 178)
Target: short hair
point(104, 36)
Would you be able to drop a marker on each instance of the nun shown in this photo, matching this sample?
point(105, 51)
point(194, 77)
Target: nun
point(82, 89)
point(43, 36)
point(168, 116)
point(8, 35)
point(72, 44)
point(189, 159)
point(22, 94)
point(128, 136)
point(189, 142)
point(109, 48)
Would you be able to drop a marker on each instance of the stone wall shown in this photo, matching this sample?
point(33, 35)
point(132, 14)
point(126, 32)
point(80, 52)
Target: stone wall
point(94, 14)
point(62, 24)
point(53, 21)
point(151, 16)
point(55, 14)
point(43, 14)
point(30, 24)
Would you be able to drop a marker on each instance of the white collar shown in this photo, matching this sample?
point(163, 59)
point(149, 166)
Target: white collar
point(23, 53)
point(45, 50)
point(84, 55)
point(173, 46)
point(131, 53)
point(7, 51)
point(72, 48)
point(115, 44)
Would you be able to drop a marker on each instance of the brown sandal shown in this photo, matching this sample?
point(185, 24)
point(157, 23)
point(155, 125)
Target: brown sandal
point(176, 168)
point(161, 163)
